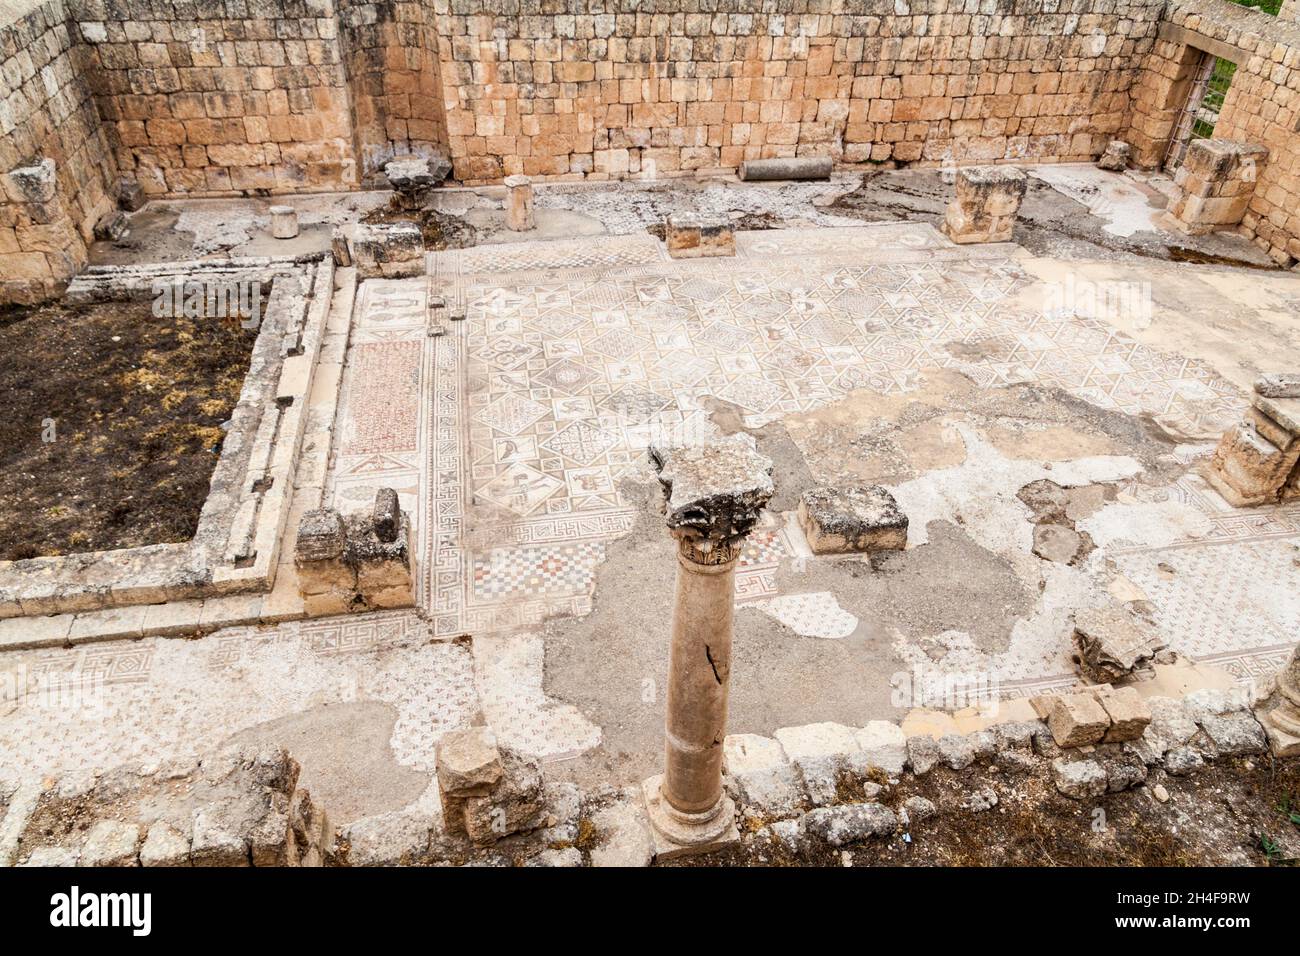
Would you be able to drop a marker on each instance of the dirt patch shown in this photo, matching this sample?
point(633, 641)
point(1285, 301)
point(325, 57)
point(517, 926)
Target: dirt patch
point(113, 425)
point(440, 230)
point(1236, 813)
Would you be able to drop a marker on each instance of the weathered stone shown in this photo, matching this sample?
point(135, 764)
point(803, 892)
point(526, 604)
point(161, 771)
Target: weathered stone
point(218, 839)
point(385, 250)
point(765, 782)
point(111, 226)
point(413, 177)
point(44, 856)
point(468, 763)
point(130, 195)
point(1279, 385)
point(32, 184)
point(165, 846)
point(850, 823)
point(1076, 720)
point(922, 753)
point(1113, 645)
point(519, 204)
point(284, 222)
point(1116, 157)
point(1124, 769)
point(387, 515)
point(1180, 761)
point(623, 829)
point(516, 803)
point(987, 201)
point(694, 236)
point(883, 745)
point(396, 838)
point(1079, 779)
point(1217, 179)
point(111, 843)
point(985, 798)
point(820, 752)
point(1128, 713)
point(1282, 720)
point(715, 491)
point(958, 751)
point(1236, 733)
point(863, 518)
point(918, 808)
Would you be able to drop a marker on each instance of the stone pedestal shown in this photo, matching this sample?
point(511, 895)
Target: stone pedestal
point(519, 203)
point(392, 250)
point(1217, 180)
point(715, 495)
point(988, 199)
point(414, 177)
point(284, 222)
point(1256, 461)
point(692, 236)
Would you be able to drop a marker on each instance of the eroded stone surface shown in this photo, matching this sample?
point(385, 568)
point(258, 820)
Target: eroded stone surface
point(864, 518)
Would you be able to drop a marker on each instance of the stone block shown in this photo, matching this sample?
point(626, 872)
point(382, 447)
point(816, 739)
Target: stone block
point(864, 518)
point(111, 226)
point(1128, 713)
point(519, 203)
point(1248, 466)
point(111, 843)
point(1113, 646)
point(986, 203)
point(468, 763)
point(765, 782)
point(1079, 779)
point(32, 184)
point(1077, 720)
point(1117, 156)
point(385, 250)
point(693, 236)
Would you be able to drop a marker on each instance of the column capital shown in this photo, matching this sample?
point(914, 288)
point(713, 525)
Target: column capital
point(715, 493)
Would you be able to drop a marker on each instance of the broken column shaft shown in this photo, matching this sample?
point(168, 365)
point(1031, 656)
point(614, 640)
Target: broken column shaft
point(715, 495)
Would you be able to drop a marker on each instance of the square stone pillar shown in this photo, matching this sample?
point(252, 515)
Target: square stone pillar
point(1217, 180)
point(715, 494)
point(519, 204)
point(988, 199)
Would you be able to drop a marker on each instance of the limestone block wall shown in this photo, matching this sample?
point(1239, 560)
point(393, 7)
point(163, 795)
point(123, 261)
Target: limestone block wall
point(391, 53)
point(220, 96)
point(612, 87)
point(47, 112)
point(1262, 105)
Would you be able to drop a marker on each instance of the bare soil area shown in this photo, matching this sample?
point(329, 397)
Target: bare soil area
point(112, 425)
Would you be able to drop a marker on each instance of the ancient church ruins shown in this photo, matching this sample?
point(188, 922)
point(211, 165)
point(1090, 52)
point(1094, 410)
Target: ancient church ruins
point(628, 432)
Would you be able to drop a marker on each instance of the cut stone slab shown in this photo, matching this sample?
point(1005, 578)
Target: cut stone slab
point(865, 518)
point(884, 745)
point(468, 762)
point(1237, 733)
point(1279, 385)
point(165, 846)
point(1128, 713)
point(820, 752)
point(1114, 646)
point(1077, 720)
point(694, 236)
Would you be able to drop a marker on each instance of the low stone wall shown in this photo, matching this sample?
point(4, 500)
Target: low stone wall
point(235, 551)
point(47, 114)
point(1262, 106)
point(235, 808)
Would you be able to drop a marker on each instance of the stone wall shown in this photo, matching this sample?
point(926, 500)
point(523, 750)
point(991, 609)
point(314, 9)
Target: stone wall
point(221, 96)
point(46, 112)
point(1262, 105)
point(665, 86)
point(391, 53)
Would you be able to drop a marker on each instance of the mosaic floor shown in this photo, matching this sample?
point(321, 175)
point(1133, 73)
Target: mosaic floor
point(576, 354)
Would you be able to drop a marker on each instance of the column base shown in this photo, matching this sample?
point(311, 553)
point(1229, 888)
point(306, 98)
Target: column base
point(678, 834)
point(1283, 743)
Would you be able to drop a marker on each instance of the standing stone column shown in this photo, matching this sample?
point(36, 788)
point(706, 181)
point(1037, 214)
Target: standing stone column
point(519, 203)
point(715, 494)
